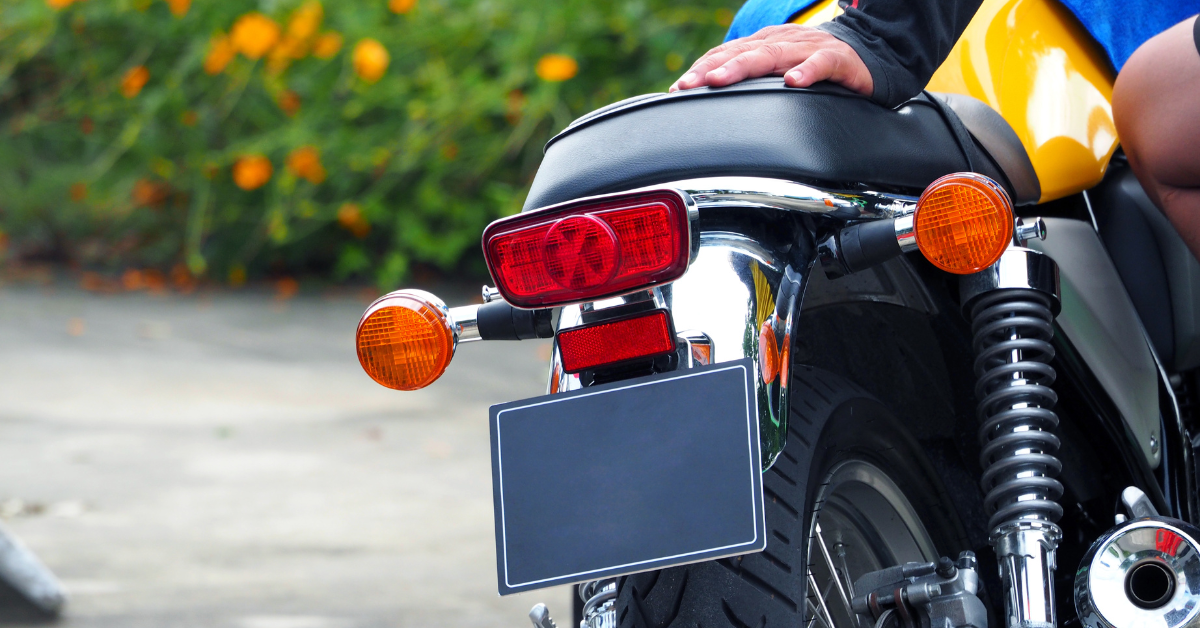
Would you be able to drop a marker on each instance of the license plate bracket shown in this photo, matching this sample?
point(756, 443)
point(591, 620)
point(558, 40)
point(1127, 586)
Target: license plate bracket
point(627, 477)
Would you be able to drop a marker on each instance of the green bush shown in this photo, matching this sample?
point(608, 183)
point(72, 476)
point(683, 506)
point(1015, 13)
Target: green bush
point(122, 131)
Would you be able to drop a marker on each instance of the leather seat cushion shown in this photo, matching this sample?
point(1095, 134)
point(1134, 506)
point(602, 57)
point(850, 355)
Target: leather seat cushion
point(824, 135)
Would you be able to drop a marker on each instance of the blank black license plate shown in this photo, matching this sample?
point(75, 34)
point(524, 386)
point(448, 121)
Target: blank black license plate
point(626, 477)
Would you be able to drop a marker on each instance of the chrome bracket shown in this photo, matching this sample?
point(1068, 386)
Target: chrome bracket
point(600, 603)
point(1019, 268)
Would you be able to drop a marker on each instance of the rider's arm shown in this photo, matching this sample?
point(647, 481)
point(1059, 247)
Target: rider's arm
point(902, 42)
point(885, 49)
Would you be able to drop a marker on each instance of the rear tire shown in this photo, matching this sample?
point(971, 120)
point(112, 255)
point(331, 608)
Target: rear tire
point(850, 467)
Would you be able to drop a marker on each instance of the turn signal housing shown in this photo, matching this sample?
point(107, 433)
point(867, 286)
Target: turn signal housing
point(963, 223)
point(406, 339)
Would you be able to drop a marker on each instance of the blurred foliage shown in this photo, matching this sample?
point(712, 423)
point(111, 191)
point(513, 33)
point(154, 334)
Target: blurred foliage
point(354, 139)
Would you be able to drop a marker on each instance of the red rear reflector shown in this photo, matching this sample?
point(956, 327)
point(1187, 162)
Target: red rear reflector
point(613, 342)
point(589, 249)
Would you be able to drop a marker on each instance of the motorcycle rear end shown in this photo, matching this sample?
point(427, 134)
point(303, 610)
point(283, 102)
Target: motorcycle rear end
point(806, 371)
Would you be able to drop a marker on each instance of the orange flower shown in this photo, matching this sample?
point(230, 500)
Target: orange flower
point(306, 162)
point(305, 20)
point(289, 102)
point(254, 34)
point(134, 80)
point(251, 172)
point(402, 6)
point(371, 60)
point(149, 194)
point(132, 280)
point(281, 56)
point(350, 217)
point(86, 125)
point(327, 45)
point(555, 68)
point(189, 118)
point(220, 53)
point(58, 5)
point(237, 275)
point(179, 8)
point(450, 151)
point(154, 280)
point(78, 191)
point(286, 288)
point(92, 282)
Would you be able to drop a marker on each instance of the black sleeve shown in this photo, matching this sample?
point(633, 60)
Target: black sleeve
point(902, 42)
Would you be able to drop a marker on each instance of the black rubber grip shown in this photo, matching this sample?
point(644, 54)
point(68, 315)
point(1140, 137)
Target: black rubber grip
point(500, 321)
point(867, 244)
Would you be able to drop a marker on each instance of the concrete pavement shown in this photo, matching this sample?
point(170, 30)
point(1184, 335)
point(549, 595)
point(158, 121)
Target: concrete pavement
point(220, 460)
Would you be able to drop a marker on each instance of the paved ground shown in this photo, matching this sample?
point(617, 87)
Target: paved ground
point(221, 461)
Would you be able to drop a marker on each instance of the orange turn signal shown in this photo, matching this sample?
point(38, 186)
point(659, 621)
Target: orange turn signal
point(963, 222)
point(405, 339)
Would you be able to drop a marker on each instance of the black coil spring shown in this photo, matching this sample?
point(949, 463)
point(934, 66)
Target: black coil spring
point(1012, 331)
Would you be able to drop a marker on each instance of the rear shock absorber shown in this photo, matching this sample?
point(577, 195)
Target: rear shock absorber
point(599, 603)
point(1012, 307)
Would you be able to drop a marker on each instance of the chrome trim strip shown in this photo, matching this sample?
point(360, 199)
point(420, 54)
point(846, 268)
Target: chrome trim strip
point(791, 196)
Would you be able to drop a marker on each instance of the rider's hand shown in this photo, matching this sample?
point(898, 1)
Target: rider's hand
point(803, 55)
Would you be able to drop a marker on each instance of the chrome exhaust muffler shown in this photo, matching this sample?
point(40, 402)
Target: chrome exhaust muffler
point(1144, 573)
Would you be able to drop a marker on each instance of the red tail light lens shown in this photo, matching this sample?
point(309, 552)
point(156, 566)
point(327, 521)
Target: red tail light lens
point(589, 249)
point(614, 342)
point(581, 252)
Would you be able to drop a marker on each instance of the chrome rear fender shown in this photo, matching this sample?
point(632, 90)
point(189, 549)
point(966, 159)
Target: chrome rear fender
point(741, 293)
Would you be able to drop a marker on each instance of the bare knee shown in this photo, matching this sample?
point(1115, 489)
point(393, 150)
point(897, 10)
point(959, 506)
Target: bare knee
point(1154, 107)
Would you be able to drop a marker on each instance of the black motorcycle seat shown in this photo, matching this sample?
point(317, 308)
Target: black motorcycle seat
point(824, 135)
point(999, 139)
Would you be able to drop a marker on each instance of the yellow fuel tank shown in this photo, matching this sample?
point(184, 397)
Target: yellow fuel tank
point(1032, 61)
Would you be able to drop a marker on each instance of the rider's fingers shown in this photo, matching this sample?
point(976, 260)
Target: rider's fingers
point(713, 59)
point(768, 58)
point(786, 35)
point(831, 65)
point(818, 67)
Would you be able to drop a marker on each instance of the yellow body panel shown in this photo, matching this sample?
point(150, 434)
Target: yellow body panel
point(1033, 62)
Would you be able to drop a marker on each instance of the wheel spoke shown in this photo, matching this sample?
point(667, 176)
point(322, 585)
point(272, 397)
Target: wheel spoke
point(812, 583)
point(840, 548)
point(814, 615)
point(833, 572)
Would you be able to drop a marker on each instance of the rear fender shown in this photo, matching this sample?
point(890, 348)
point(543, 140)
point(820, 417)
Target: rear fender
point(741, 294)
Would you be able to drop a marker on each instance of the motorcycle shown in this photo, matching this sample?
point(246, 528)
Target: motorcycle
point(820, 363)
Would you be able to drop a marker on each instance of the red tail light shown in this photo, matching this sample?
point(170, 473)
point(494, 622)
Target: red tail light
point(613, 342)
point(589, 249)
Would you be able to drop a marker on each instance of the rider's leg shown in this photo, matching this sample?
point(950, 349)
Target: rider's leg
point(1156, 105)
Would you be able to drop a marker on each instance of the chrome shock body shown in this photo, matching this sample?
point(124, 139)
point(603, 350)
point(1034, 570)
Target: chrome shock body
point(599, 603)
point(1012, 307)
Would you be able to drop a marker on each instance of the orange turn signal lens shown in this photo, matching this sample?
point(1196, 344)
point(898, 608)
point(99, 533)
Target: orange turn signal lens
point(405, 340)
point(963, 222)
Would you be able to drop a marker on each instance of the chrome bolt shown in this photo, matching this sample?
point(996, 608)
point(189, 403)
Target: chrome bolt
point(1026, 231)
